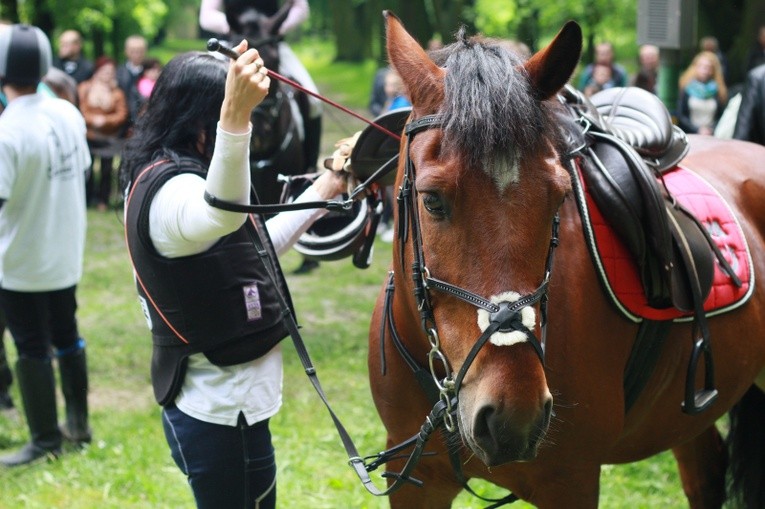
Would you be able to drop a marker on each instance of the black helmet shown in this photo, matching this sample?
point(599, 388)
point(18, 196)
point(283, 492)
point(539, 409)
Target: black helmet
point(375, 149)
point(25, 55)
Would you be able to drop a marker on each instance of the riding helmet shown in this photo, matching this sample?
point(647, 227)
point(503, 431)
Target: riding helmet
point(336, 235)
point(25, 55)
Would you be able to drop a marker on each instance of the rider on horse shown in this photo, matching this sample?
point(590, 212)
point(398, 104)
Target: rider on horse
point(217, 16)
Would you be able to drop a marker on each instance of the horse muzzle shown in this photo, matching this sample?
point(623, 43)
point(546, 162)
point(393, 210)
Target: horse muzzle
point(501, 434)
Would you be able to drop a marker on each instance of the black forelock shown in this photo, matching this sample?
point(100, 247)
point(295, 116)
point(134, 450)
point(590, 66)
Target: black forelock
point(489, 108)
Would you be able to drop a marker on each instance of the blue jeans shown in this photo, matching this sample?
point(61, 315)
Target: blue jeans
point(228, 467)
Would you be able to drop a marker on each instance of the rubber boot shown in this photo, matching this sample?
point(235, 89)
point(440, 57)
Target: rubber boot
point(73, 368)
point(37, 386)
point(312, 145)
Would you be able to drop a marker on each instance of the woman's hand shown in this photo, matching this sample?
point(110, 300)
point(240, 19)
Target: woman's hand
point(246, 86)
point(331, 184)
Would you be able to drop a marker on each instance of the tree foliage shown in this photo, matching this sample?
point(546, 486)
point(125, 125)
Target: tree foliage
point(357, 29)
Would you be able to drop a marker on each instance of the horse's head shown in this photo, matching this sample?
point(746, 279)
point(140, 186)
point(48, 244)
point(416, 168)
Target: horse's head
point(486, 184)
point(260, 30)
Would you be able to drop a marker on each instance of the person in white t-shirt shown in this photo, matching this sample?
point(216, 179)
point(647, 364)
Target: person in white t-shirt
point(211, 300)
point(44, 157)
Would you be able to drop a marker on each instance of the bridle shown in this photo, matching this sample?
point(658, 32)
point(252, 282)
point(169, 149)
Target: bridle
point(443, 391)
point(503, 317)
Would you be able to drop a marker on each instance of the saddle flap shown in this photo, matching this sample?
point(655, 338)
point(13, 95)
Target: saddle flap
point(616, 196)
point(693, 273)
point(627, 192)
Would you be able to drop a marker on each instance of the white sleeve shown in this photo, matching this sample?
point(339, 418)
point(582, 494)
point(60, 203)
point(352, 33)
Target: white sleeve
point(212, 17)
point(285, 228)
point(181, 223)
point(298, 14)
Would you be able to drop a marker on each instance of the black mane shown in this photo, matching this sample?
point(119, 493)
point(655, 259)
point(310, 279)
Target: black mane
point(490, 110)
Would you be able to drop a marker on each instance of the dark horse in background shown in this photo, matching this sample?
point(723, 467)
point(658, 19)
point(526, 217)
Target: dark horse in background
point(278, 144)
point(485, 174)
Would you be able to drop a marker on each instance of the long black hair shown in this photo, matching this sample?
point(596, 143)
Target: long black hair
point(184, 104)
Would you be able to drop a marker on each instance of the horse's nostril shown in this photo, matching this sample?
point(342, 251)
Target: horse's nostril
point(549, 412)
point(483, 422)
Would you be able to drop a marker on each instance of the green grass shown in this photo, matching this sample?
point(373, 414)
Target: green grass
point(129, 465)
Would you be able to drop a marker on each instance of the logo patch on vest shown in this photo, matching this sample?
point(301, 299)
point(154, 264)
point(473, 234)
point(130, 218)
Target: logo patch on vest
point(252, 302)
point(145, 309)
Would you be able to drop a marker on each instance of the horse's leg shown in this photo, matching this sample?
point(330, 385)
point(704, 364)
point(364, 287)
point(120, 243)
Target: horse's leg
point(703, 462)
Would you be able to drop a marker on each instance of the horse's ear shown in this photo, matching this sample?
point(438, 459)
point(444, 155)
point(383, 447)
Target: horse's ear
point(275, 21)
point(423, 79)
point(550, 68)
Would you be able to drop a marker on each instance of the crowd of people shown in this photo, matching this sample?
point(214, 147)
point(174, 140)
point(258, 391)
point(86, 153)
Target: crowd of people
point(109, 97)
point(181, 134)
point(707, 103)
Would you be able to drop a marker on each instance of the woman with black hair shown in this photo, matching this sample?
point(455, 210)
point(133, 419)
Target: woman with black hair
point(214, 302)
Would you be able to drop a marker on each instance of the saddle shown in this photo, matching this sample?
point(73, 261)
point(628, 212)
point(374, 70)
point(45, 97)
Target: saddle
point(628, 140)
point(631, 143)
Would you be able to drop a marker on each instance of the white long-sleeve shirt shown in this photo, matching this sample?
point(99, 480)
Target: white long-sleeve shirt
point(181, 223)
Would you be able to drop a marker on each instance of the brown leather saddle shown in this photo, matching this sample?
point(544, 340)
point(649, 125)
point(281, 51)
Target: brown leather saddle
point(631, 142)
point(628, 142)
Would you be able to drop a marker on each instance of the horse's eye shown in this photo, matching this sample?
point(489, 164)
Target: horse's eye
point(433, 204)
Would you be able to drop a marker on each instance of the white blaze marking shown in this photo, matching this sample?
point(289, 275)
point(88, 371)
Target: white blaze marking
point(528, 318)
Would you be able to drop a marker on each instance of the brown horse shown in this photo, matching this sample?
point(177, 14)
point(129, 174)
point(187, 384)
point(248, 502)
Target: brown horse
point(484, 174)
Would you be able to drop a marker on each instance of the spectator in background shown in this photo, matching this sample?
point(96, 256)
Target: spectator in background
point(604, 55)
point(756, 55)
point(42, 241)
point(711, 44)
point(703, 95)
point(70, 58)
point(377, 97)
point(750, 124)
point(104, 107)
point(61, 85)
point(129, 72)
point(395, 92)
point(647, 76)
point(152, 68)
point(602, 78)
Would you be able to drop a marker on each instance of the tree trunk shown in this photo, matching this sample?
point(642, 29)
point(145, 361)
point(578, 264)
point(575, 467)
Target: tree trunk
point(415, 17)
point(348, 28)
point(43, 16)
point(450, 15)
point(9, 10)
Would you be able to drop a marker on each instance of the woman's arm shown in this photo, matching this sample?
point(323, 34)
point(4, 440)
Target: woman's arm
point(181, 221)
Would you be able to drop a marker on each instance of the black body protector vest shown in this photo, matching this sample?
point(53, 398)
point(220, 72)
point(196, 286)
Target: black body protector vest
point(221, 302)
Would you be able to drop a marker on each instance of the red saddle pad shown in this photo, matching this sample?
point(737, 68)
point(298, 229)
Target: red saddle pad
point(619, 272)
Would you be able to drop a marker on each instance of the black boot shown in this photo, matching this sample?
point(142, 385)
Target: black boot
point(312, 144)
point(38, 394)
point(73, 368)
